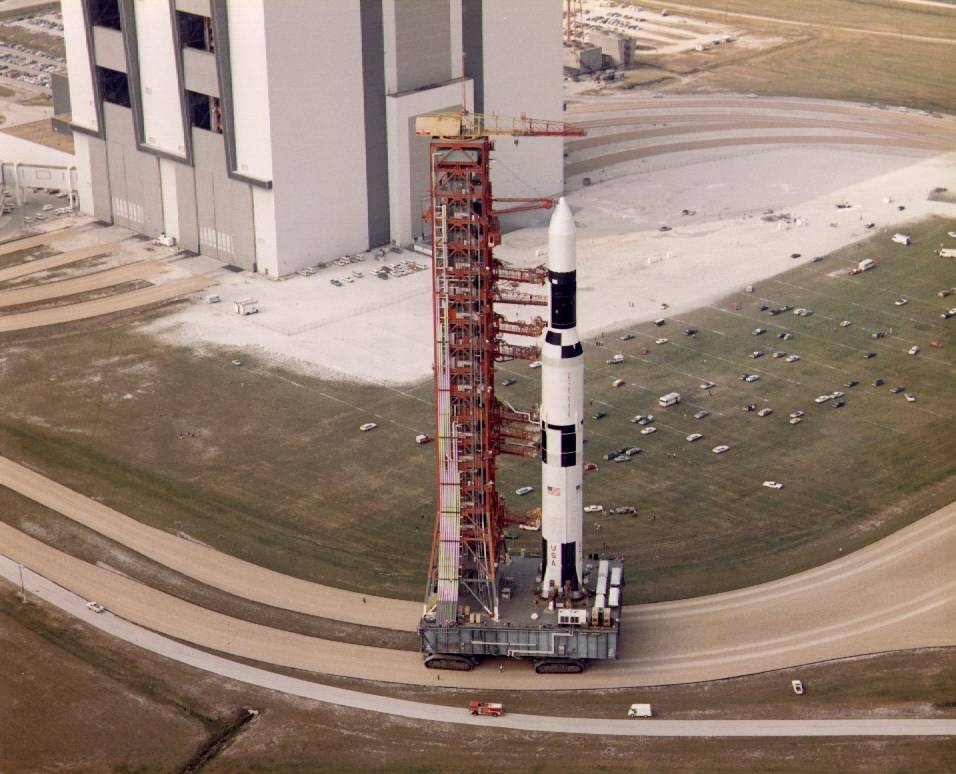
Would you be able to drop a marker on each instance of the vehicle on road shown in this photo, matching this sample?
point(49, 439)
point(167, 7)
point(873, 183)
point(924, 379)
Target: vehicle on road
point(797, 686)
point(95, 607)
point(486, 708)
point(640, 711)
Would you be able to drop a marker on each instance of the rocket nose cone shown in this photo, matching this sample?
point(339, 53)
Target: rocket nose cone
point(561, 239)
point(562, 219)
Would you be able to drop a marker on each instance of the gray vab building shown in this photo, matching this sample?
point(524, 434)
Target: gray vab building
point(272, 134)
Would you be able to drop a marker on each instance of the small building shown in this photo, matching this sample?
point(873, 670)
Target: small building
point(671, 399)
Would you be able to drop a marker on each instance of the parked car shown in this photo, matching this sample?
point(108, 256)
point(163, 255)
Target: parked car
point(660, 341)
point(897, 389)
point(868, 355)
point(593, 508)
point(707, 385)
point(796, 414)
point(535, 364)
point(779, 353)
point(910, 397)
point(507, 382)
point(521, 491)
point(599, 415)
point(852, 383)
point(368, 426)
point(878, 382)
point(793, 358)
point(797, 686)
point(423, 438)
point(701, 414)
point(765, 412)
point(95, 607)
point(694, 437)
point(914, 350)
point(720, 449)
point(756, 353)
point(773, 485)
point(845, 324)
point(759, 331)
point(751, 377)
point(649, 430)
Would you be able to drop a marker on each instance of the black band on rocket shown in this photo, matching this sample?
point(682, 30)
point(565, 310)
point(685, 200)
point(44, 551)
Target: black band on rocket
point(564, 287)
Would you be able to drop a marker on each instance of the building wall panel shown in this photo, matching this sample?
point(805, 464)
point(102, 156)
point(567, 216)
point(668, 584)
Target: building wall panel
point(319, 164)
point(522, 66)
point(199, 72)
point(250, 73)
point(186, 201)
point(422, 43)
point(82, 101)
point(159, 79)
point(108, 46)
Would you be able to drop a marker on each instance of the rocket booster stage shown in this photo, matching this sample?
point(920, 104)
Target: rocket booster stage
point(562, 415)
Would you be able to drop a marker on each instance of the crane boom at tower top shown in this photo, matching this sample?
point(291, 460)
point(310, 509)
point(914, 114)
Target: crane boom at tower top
point(460, 125)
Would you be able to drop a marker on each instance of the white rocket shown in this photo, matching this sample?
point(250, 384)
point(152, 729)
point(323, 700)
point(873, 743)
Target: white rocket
point(562, 415)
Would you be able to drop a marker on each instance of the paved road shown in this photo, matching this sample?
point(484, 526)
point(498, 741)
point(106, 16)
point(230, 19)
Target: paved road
point(589, 165)
point(209, 566)
point(54, 261)
point(896, 594)
point(819, 25)
point(84, 284)
point(37, 586)
point(101, 306)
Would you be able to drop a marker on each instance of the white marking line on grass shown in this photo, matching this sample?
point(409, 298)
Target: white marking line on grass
point(343, 402)
point(885, 341)
point(859, 327)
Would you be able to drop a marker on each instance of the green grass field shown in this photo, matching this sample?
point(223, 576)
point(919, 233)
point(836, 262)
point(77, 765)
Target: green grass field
point(268, 465)
point(818, 59)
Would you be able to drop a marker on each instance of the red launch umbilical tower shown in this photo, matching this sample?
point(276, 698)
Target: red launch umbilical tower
point(472, 426)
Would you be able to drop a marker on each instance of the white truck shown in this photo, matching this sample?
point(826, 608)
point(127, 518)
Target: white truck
point(640, 711)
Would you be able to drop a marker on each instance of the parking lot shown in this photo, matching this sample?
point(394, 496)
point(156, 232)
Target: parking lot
point(862, 449)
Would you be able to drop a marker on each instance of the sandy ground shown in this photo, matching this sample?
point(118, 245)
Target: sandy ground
point(627, 267)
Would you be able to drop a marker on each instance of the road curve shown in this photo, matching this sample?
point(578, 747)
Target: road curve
point(896, 592)
point(589, 165)
point(209, 566)
point(904, 597)
point(74, 605)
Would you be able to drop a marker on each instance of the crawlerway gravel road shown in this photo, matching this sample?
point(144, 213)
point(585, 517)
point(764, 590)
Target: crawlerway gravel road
point(898, 593)
point(38, 587)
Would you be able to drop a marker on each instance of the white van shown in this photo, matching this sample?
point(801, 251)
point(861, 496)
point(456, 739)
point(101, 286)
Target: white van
point(671, 399)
